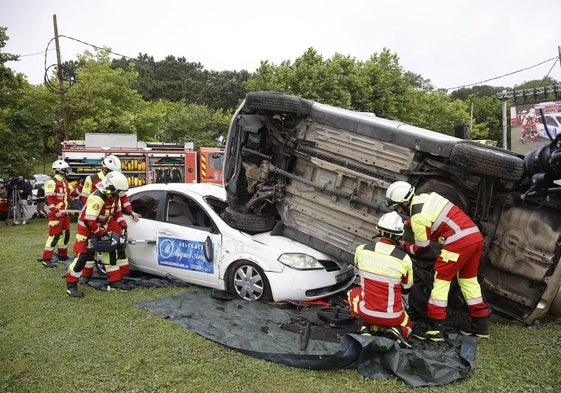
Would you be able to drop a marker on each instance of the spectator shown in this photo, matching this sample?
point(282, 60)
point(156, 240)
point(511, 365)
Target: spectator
point(23, 189)
point(4, 205)
point(41, 210)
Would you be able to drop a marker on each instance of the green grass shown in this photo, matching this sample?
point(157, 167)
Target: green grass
point(526, 147)
point(101, 343)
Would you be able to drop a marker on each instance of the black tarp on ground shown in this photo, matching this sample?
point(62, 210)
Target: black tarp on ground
point(259, 330)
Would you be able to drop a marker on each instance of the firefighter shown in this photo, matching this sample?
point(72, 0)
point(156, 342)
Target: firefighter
point(529, 127)
point(57, 193)
point(435, 218)
point(109, 164)
point(385, 272)
point(100, 207)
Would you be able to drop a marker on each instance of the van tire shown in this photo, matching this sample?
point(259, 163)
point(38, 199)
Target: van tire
point(277, 102)
point(250, 223)
point(487, 160)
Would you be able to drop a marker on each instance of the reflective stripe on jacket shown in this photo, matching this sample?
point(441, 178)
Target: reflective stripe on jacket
point(435, 218)
point(383, 271)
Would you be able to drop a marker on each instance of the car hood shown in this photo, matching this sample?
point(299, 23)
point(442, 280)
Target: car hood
point(284, 243)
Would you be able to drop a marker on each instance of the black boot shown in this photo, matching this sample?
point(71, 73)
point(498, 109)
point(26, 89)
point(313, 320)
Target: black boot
point(479, 328)
point(121, 286)
point(72, 290)
point(49, 264)
point(394, 333)
point(434, 332)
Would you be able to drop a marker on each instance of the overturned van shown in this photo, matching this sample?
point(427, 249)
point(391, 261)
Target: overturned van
point(318, 174)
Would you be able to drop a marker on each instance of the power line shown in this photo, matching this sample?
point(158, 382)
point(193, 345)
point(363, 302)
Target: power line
point(33, 54)
point(95, 46)
point(556, 58)
point(47, 82)
point(52, 87)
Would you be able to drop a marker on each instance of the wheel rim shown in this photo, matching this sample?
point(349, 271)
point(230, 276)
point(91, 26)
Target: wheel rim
point(248, 283)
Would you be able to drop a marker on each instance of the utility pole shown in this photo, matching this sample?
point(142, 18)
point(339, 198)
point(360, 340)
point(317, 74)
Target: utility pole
point(471, 120)
point(60, 82)
point(505, 128)
point(559, 51)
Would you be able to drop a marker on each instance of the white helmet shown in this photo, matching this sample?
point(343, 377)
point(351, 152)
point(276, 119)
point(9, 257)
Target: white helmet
point(399, 192)
point(111, 162)
point(115, 181)
point(391, 223)
point(60, 165)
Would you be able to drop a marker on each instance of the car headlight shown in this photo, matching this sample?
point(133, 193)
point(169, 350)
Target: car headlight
point(300, 261)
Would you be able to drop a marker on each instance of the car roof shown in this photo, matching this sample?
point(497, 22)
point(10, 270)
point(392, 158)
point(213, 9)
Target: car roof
point(202, 189)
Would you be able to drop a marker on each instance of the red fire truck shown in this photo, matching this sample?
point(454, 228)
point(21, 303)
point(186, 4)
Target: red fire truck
point(145, 162)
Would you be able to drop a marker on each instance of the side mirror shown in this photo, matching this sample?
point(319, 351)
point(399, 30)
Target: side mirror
point(207, 248)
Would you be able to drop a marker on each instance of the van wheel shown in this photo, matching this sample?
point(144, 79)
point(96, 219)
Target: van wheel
point(277, 102)
point(250, 223)
point(487, 160)
point(447, 189)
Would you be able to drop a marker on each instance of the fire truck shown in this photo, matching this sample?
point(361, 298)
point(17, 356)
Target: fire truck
point(145, 162)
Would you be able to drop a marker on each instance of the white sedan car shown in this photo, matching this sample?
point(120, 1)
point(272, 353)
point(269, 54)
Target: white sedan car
point(182, 233)
point(553, 121)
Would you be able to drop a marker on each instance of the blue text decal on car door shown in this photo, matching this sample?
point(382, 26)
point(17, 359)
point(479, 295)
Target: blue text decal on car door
point(183, 254)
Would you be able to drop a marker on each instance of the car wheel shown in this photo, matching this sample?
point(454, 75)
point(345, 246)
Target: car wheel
point(276, 102)
point(447, 189)
point(251, 223)
point(247, 281)
point(487, 160)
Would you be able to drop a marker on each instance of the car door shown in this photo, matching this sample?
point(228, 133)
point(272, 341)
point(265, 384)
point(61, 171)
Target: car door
point(174, 241)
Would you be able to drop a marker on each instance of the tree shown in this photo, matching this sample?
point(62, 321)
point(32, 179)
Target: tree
point(193, 123)
point(102, 99)
point(176, 79)
point(20, 132)
point(4, 57)
point(479, 91)
point(487, 116)
point(379, 85)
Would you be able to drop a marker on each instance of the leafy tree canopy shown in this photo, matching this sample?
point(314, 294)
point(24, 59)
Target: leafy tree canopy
point(174, 100)
point(175, 79)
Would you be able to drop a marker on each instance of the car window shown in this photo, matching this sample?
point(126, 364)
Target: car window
point(182, 210)
point(147, 203)
point(216, 161)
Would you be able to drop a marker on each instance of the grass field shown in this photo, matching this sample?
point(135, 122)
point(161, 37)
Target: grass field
point(526, 147)
point(101, 343)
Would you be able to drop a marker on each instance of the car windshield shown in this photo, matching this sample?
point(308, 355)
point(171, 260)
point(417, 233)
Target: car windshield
point(41, 178)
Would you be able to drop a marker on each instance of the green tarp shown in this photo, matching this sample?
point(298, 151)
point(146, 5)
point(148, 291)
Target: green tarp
point(263, 331)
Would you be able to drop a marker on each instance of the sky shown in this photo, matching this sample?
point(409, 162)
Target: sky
point(453, 43)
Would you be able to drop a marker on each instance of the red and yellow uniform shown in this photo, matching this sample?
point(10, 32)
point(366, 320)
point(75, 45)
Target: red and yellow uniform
point(57, 192)
point(94, 221)
point(435, 218)
point(384, 271)
point(90, 185)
